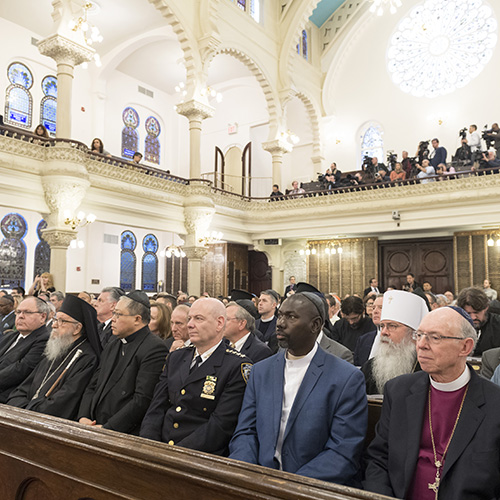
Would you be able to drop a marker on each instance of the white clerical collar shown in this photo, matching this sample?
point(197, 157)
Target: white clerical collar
point(301, 360)
point(238, 345)
point(208, 353)
point(455, 385)
point(107, 322)
point(267, 320)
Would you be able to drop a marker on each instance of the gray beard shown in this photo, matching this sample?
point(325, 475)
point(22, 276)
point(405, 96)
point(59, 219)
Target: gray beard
point(57, 346)
point(393, 360)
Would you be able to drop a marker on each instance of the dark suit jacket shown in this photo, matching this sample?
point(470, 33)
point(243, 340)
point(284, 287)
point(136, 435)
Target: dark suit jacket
point(489, 361)
point(472, 466)
point(335, 348)
point(105, 334)
point(363, 348)
point(118, 395)
point(369, 289)
point(326, 427)
point(290, 288)
point(255, 349)
point(21, 360)
point(270, 331)
point(7, 322)
point(198, 410)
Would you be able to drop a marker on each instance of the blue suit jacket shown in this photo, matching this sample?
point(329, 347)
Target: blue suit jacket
point(327, 423)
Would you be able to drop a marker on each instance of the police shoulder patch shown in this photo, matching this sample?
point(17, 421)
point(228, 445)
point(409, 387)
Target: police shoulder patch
point(246, 368)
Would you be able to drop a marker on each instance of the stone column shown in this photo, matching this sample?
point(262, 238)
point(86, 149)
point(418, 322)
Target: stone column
point(195, 112)
point(67, 55)
point(59, 241)
point(195, 255)
point(277, 148)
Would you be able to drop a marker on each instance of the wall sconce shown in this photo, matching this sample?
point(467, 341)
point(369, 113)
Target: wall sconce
point(78, 220)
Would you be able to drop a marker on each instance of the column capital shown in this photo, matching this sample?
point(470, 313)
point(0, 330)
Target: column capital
point(64, 50)
point(195, 253)
point(277, 147)
point(195, 110)
point(58, 238)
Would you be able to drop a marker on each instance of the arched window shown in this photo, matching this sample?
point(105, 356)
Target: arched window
point(303, 46)
point(152, 144)
point(48, 104)
point(149, 263)
point(18, 100)
point(128, 261)
point(13, 250)
point(42, 252)
point(251, 7)
point(130, 137)
point(372, 143)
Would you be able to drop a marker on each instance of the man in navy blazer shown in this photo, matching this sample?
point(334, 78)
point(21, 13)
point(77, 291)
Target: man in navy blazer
point(304, 410)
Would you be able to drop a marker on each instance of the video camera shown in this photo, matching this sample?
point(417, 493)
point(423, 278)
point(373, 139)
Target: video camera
point(462, 133)
point(392, 159)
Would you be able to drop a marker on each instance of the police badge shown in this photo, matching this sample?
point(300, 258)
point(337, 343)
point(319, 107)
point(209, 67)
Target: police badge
point(209, 387)
point(246, 368)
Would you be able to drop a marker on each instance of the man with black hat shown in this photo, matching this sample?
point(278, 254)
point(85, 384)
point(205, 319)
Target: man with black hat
point(22, 350)
point(198, 398)
point(56, 386)
point(121, 389)
point(239, 332)
point(7, 306)
point(304, 410)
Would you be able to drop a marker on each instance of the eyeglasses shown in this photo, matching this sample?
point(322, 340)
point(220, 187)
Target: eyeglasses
point(433, 338)
point(390, 327)
point(62, 321)
point(118, 315)
point(19, 312)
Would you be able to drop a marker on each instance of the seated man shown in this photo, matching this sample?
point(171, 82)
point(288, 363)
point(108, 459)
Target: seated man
point(296, 192)
point(276, 194)
point(7, 311)
point(239, 328)
point(22, 350)
point(438, 434)
point(121, 388)
point(396, 355)
point(178, 322)
point(57, 384)
point(304, 410)
point(198, 398)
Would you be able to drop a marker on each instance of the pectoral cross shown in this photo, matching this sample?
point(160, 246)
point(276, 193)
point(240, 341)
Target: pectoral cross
point(435, 485)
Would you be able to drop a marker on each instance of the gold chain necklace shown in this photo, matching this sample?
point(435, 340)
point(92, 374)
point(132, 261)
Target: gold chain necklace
point(439, 463)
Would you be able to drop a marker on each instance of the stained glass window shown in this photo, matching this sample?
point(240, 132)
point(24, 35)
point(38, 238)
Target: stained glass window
point(18, 100)
point(42, 252)
point(48, 104)
point(152, 144)
point(13, 251)
point(305, 54)
point(128, 261)
point(241, 4)
point(441, 46)
point(130, 137)
point(149, 263)
point(372, 144)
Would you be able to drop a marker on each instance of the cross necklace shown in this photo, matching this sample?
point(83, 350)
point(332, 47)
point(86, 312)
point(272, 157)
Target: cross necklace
point(439, 463)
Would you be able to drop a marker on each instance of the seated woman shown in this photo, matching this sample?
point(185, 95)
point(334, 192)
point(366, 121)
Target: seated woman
point(160, 321)
point(42, 284)
point(398, 174)
point(98, 147)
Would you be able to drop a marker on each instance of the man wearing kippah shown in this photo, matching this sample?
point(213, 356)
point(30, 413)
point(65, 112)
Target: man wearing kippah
point(121, 389)
point(438, 436)
point(304, 410)
point(396, 354)
point(71, 356)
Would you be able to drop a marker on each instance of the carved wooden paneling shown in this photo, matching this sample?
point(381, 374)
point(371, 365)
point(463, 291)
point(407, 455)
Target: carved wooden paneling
point(47, 458)
point(237, 256)
point(344, 273)
point(176, 274)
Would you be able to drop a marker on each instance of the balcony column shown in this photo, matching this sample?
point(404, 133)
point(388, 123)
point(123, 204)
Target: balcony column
point(277, 148)
point(195, 112)
point(67, 54)
point(195, 256)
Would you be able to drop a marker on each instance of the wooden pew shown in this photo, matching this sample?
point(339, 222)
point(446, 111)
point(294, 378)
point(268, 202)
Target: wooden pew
point(47, 458)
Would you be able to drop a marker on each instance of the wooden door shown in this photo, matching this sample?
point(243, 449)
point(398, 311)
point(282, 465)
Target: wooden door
point(259, 272)
point(428, 259)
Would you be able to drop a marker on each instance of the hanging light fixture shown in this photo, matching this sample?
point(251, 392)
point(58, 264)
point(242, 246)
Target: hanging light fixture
point(173, 251)
point(210, 238)
point(333, 248)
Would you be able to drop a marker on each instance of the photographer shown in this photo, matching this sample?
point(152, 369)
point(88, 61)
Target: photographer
point(473, 139)
point(422, 151)
point(406, 163)
point(426, 171)
point(490, 159)
point(492, 137)
point(438, 155)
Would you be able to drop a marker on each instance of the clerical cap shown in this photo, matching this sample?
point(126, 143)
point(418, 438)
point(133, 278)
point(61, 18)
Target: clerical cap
point(249, 306)
point(85, 314)
point(463, 313)
point(403, 307)
point(317, 301)
point(307, 287)
point(139, 296)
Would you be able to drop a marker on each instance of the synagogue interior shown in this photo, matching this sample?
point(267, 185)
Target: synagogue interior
point(224, 99)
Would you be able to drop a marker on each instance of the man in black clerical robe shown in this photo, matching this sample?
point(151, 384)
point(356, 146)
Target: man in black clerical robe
point(121, 389)
point(70, 358)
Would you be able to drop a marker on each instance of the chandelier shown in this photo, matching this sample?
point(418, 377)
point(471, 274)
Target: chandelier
point(379, 5)
point(172, 250)
point(494, 239)
point(90, 32)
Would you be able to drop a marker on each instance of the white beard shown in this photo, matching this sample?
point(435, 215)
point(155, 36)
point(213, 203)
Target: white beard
point(393, 360)
point(57, 346)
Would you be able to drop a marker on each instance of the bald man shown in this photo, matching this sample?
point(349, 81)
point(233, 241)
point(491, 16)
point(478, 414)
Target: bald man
point(199, 395)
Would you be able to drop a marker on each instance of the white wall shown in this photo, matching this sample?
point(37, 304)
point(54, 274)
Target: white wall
point(362, 90)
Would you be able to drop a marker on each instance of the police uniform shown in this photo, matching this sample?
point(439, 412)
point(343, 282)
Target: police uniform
point(198, 410)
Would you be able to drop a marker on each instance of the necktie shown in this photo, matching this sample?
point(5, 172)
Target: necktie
point(197, 362)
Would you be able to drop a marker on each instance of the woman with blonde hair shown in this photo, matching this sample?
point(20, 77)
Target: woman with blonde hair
point(43, 283)
point(160, 320)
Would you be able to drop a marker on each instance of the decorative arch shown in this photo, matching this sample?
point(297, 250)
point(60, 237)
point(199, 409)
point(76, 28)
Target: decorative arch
point(149, 263)
point(128, 261)
point(312, 111)
point(270, 95)
point(18, 98)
